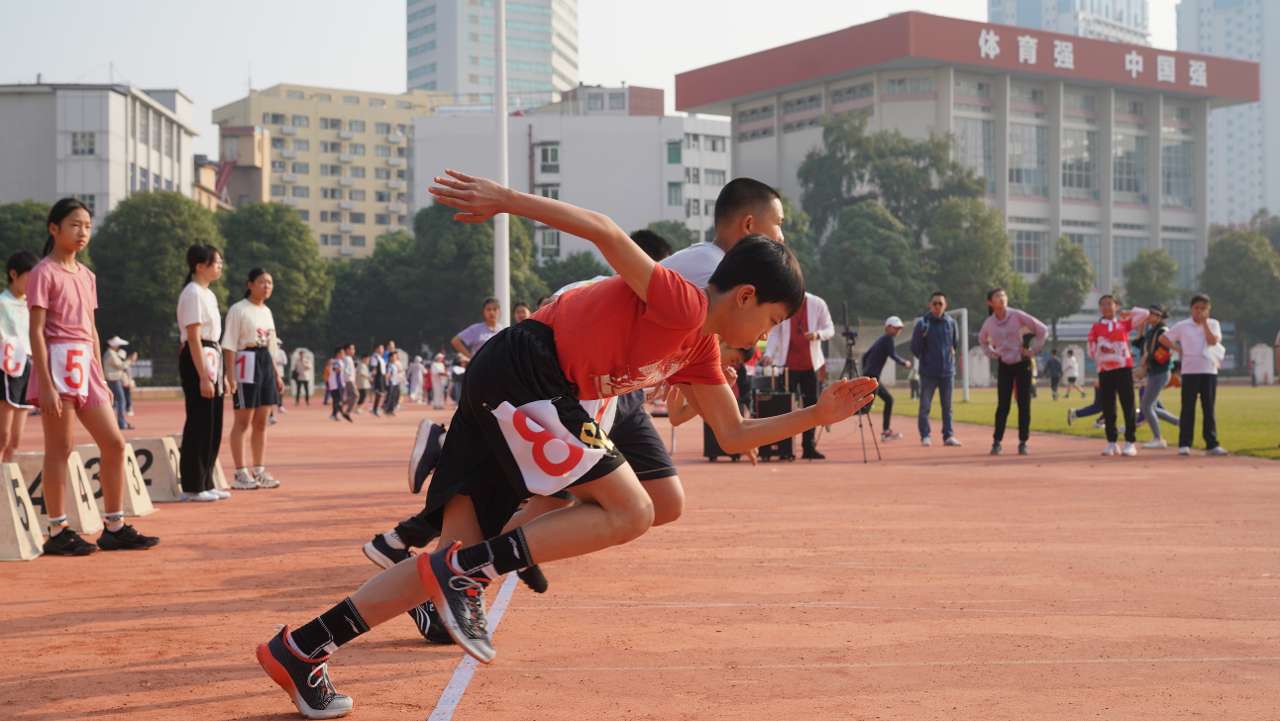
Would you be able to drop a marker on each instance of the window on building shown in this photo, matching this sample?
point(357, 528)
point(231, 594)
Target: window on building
point(595, 101)
point(277, 143)
point(713, 177)
point(84, 143)
point(351, 99)
point(1028, 250)
point(300, 168)
point(330, 123)
point(300, 121)
point(550, 157)
point(133, 177)
point(278, 166)
point(355, 194)
point(330, 170)
point(357, 171)
point(549, 191)
point(1124, 250)
point(673, 152)
point(302, 145)
point(402, 174)
point(692, 207)
point(277, 191)
point(1028, 160)
point(330, 146)
point(1079, 103)
point(157, 129)
point(852, 92)
point(331, 193)
point(693, 175)
point(304, 214)
point(1177, 170)
point(382, 219)
point(751, 115)
point(1130, 168)
point(382, 151)
point(1183, 252)
point(275, 118)
point(1080, 164)
point(914, 85)
point(692, 141)
point(301, 191)
point(382, 128)
point(1092, 244)
point(382, 196)
point(717, 143)
point(675, 194)
point(90, 200)
point(357, 218)
point(617, 101)
point(975, 141)
point(797, 105)
point(168, 140)
point(358, 241)
point(295, 94)
point(356, 126)
point(382, 173)
point(549, 241)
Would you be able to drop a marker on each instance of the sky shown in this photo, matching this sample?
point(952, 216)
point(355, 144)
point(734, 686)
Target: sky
point(212, 51)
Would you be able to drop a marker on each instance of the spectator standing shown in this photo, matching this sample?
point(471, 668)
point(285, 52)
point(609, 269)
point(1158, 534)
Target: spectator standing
point(471, 338)
point(1109, 346)
point(378, 378)
point(439, 381)
point(873, 366)
point(935, 342)
point(1053, 369)
point(1198, 341)
point(114, 364)
point(415, 379)
point(1157, 361)
point(796, 343)
point(129, 385)
point(200, 369)
point(1001, 339)
point(395, 377)
point(364, 382)
point(1071, 369)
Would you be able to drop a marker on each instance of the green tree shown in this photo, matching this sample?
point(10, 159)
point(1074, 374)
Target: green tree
point(1242, 276)
point(911, 178)
point(22, 227)
point(677, 234)
point(273, 236)
point(1150, 278)
point(574, 267)
point(141, 259)
point(1061, 290)
point(798, 232)
point(969, 254)
point(869, 262)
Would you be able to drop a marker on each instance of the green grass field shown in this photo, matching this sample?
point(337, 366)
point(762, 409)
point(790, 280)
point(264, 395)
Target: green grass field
point(1248, 418)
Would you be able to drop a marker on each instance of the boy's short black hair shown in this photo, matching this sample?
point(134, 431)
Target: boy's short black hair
point(767, 265)
point(937, 293)
point(655, 246)
point(1201, 298)
point(742, 194)
point(1105, 296)
point(521, 304)
point(22, 262)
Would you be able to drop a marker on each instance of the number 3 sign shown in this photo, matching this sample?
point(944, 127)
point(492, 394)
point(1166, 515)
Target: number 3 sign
point(549, 456)
point(70, 365)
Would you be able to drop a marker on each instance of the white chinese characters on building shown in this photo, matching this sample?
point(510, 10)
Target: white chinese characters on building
point(1064, 54)
point(1198, 73)
point(1027, 49)
point(988, 44)
point(1133, 62)
point(1166, 69)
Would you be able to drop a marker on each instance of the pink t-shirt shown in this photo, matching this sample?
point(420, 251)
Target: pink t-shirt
point(68, 297)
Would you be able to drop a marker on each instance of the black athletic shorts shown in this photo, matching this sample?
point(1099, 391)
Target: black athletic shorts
point(262, 392)
point(635, 437)
point(518, 365)
point(15, 388)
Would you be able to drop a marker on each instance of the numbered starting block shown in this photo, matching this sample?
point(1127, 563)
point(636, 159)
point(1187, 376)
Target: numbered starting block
point(82, 512)
point(219, 478)
point(137, 502)
point(157, 460)
point(21, 538)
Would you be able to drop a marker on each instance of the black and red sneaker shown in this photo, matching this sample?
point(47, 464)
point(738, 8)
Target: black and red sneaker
point(459, 599)
point(306, 680)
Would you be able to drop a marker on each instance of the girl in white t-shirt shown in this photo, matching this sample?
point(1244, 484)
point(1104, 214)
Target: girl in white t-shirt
point(248, 338)
point(15, 342)
point(200, 369)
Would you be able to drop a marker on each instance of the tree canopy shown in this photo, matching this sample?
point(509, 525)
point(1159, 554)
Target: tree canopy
point(869, 262)
point(1151, 278)
point(969, 254)
point(1242, 277)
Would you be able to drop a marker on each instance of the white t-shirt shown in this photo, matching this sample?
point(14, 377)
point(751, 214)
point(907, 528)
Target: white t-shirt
point(249, 326)
point(15, 322)
point(696, 263)
point(199, 305)
point(1197, 355)
point(1071, 367)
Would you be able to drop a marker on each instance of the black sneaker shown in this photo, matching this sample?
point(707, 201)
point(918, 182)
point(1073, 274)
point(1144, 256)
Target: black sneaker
point(427, 619)
point(426, 453)
point(68, 543)
point(534, 579)
point(305, 680)
point(1022, 449)
point(459, 599)
point(813, 456)
point(384, 554)
point(995, 449)
point(125, 539)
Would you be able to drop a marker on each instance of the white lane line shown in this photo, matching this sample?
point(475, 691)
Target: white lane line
point(890, 664)
point(452, 694)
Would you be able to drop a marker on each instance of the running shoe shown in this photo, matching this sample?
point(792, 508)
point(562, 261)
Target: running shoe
point(264, 480)
point(201, 497)
point(427, 619)
point(1071, 416)
point(305, 680)
point(951, 441)
point(426, 454)
point(1022, 449)
point(384, 554)
point(1217, 451)
point(1184, 451)
point(995, 449)
point(813, 455)
point(243, 482)
point(460, 600)
point(1157, 443)
point(534, 579)
point(272, 420)
point(221, 494)
point(1129, 450)
point(1110, 450)
point(125, 539)
point(890, 436)
point(68, 543)
point(926, 442)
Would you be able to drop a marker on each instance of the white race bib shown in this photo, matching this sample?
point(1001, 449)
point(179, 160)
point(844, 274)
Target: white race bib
point(69, 364)
point(549, 456)
point(246, 364)
point(13, 356)
point(213, 363)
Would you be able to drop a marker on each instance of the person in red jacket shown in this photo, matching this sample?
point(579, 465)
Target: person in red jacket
point(1109, 348)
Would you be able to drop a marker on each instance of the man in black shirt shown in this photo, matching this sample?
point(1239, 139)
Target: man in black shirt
point(873, 364)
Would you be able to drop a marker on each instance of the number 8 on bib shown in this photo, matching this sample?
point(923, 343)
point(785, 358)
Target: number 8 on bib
point(549, 456)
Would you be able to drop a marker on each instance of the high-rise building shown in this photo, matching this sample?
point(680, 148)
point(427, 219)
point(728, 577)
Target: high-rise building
point(1102, 142)
point(97, 142)
point(450, 46)
point(1122, 21)
point(1244, 140)
point(340, 157)
point(608, 149)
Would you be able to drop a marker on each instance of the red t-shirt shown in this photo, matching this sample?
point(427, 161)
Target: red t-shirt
point(610, 342)
point(799, 358)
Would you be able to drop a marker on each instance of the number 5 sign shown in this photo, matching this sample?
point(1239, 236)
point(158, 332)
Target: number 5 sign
point(70, 366)
point(549, 456)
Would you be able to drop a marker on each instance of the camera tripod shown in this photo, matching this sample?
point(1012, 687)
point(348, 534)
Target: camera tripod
point(849, 371)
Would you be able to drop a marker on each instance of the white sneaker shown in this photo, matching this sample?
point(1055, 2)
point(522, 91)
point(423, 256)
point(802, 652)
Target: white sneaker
point(243, 482)
point(1217, 451)
point(926, 442)
point(952, 441)
point(1130, 450)
point(265, 480)
point(1157, 443)
point(221, 494)
point(1184, 451)
point(1110, 450)
point(201, 497)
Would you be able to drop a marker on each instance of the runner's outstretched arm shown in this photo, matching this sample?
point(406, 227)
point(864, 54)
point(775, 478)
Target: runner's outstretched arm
point(479, 199)
point(738, 435)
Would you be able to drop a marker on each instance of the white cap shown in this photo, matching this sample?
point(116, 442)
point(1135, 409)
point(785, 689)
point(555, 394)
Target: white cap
point(117, 342)
point(893, 321)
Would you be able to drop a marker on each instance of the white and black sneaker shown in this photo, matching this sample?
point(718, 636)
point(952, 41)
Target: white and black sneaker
point(427, 619)
point(426, 453)
point(242, 481)
point(382, 553)
point(459, 599)
point(305, 680)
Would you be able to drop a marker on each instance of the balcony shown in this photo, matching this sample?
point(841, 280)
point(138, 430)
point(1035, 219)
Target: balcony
point(288, 130)
point(395, 138)
point(395, 184)
point(346, 134)
point(395, 207)
point(346, 158)
point(346, 227)
point(346, 205)
point(550, 168)
point(289, 201)
point(396, 162)
point(346, 182)
point(287, 153)
point(289, 178)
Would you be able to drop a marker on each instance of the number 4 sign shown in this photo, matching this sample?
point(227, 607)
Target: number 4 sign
point(549, 456)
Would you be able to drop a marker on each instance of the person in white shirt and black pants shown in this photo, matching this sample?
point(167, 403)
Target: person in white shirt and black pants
point(796, 343)
point(1198, 341)
point(200, 368)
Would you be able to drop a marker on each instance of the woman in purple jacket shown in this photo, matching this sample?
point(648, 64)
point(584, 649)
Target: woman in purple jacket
point(1001, 338)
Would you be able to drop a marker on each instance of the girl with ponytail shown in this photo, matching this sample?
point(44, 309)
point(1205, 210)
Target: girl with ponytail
point(200, 368)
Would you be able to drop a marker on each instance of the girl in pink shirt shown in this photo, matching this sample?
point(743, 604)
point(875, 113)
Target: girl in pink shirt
point(1001, 338)
point(67, 381)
